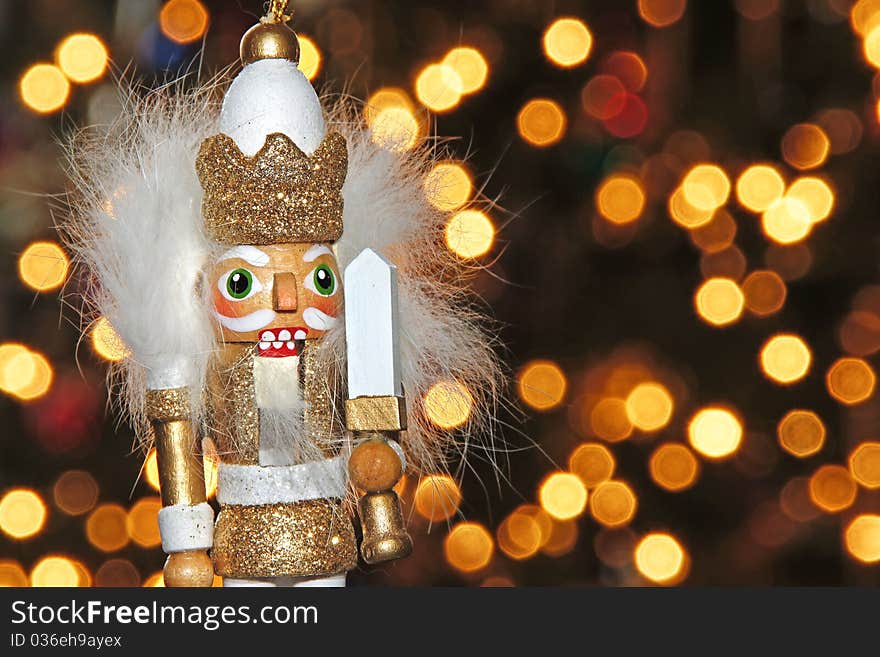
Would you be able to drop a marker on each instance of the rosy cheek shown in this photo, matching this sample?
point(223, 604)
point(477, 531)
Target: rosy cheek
point(326, 305)
point(224, 306)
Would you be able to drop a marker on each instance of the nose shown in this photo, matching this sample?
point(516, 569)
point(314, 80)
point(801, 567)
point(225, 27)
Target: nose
point(284, 295)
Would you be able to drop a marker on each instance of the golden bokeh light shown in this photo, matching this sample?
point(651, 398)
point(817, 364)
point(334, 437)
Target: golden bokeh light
point(439, 87)
point(117, 573)
point(75, 492)
point(56, 570)
point(719, 301)
point(801, 433)
point(24, 374)
point(620, 199)
point(815, 195)
point(765, 292)
point(156, 580)
point(706, 187)
point(603, 97)
point(660, 558)
point(519, 536)
point(16, 366)
point(183, 21)
point(142, 522)
point(592, 463)
point(43, 266)
point(805, 146)
point(864, 16)
point(759, 187)
point(862, 538)
point(44, 88)
point(541, 122)
point(715, 432)
point(106, 528)
point(309, 57)
point(787, 221)
point(471, 67)
point(832, 489)
point(563, 538)
point(386, 98)
point(42, 376)
point(661, 13)
point(785, 358)
point(674, 467)
point(871, 47)
point(649, 406)
point(567, 42)
point(469, 234)
point(448, 404)
point(850, 380)
point(685, 214)
point(613, 503)
point(542, 519)
point(542, 385)
point(563, 495)
point(864, 464)
point(629, 68)
point(82, 57)
point(395, 129)
point(106, 341)
point(468, 547)
point(12, 574)
point(437, 497)
point(609, 420)
point(151, 469)
point(22, 513)
point(448, 186)
point(717, 235)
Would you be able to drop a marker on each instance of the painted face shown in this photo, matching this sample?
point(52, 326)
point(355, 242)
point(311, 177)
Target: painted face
point(276, 294)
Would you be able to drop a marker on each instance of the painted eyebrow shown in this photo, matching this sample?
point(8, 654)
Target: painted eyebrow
point(316, 251)
point(250, 254)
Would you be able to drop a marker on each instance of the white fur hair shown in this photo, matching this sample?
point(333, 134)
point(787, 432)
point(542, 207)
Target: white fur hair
point(135, 228)
point(445, 334)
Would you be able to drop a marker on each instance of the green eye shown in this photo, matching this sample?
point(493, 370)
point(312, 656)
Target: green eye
point(324, 280)
point(239, 283)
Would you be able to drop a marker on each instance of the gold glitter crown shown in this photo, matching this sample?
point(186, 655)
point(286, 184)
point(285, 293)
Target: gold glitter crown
point(279, 195)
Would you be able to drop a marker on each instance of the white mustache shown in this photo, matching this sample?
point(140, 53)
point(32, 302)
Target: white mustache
point(252, 322)
point(318, 320)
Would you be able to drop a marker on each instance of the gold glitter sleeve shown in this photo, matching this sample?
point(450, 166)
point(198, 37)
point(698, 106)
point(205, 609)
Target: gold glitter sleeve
point(181, 474)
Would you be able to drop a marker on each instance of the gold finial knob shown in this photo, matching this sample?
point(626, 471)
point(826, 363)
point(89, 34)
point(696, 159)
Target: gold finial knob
point(269, 40)
point(385, 537)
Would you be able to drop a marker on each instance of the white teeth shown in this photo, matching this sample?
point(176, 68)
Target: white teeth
point(267, 336)
point(264, 346)
point(276, 345)
point(284, 335)
point(300, 335)
point(290, 345)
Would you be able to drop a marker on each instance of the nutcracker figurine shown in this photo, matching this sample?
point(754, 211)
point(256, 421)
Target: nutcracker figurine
point(249, 257)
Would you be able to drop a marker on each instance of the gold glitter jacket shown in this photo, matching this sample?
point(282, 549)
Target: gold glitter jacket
point(308, 538)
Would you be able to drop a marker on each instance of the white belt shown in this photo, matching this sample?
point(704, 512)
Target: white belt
point(276, 484)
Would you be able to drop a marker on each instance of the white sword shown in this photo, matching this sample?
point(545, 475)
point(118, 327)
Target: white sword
point(372, 327)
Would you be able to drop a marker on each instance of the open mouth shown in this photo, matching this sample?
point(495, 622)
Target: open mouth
point(281, 342)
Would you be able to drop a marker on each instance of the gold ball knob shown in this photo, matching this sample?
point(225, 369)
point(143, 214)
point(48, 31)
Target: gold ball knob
point(269, 41)
point(374, 466)
point(191, 568)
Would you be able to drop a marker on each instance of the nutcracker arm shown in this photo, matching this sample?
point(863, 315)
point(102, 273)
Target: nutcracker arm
point(186, 520)
point(375, 410)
